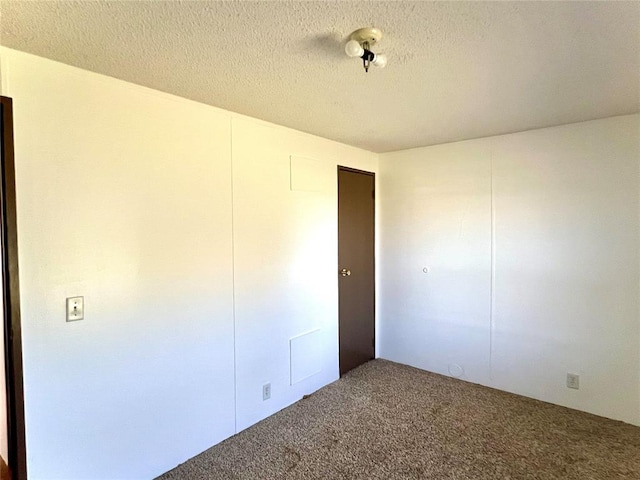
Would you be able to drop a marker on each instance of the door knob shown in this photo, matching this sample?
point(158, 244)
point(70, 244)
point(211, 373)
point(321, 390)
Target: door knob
point(345, 272)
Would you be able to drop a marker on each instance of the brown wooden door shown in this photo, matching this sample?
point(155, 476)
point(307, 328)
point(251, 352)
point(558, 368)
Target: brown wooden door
point(356, 267)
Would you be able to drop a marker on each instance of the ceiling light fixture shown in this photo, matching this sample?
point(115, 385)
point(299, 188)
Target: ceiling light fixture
point(359, 45)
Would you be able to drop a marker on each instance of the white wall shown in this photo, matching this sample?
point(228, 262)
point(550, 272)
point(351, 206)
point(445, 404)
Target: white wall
point(436, 214)
point(286, 260)
point(532, 241)
point(125, 196)
point(566, 265)
point(204, 242)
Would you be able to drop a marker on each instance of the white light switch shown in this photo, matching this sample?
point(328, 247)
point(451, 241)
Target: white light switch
point(75, 308)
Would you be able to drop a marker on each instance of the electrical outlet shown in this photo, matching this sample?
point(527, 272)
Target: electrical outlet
point(266, 391)
point(75, 309)
point(573, 381)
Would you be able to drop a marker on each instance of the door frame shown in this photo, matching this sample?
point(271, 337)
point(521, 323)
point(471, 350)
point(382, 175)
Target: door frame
point(375, 244)
point(17, 460)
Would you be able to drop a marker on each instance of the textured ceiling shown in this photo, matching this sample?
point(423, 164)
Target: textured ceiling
point(457, 70)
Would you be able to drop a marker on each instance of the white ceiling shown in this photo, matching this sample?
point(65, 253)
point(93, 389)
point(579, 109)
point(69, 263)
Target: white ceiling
point(457, 70)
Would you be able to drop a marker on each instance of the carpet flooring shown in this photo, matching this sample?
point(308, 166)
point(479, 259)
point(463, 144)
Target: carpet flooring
point(389, 421)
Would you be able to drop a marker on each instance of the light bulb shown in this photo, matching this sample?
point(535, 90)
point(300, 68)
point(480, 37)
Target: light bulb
point(353, 49)
point(380, 60)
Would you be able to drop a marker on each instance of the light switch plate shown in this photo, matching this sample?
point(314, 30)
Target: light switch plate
point(75, 309)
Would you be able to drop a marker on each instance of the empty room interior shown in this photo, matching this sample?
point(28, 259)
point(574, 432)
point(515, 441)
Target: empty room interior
point(304, 239)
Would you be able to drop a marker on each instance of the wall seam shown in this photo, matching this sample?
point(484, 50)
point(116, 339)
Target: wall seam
point(4, 76)
point(2, 79)
point(493, 264)
point(233, 282)
point(638, 275)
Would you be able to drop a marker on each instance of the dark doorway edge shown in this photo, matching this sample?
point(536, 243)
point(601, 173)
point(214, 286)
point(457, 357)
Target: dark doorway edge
point(11, 294)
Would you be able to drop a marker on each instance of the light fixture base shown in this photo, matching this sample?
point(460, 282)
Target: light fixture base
point(368, 34)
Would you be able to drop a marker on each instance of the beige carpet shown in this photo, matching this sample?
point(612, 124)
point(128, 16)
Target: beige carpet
point(389, 421)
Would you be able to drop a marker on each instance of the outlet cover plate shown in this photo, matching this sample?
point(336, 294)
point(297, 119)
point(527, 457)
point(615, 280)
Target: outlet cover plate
point(573, 381)
point(266, 391)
